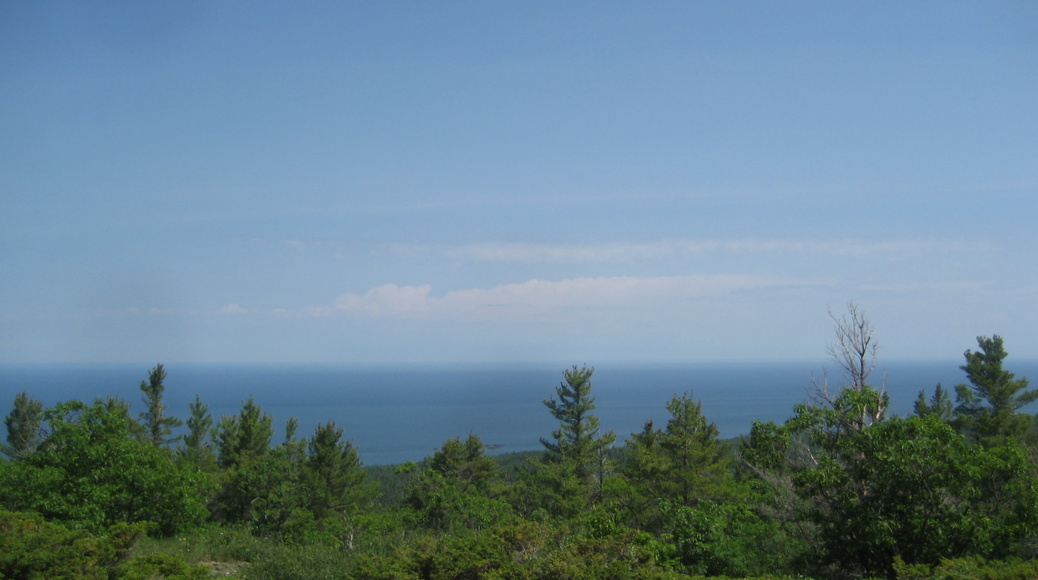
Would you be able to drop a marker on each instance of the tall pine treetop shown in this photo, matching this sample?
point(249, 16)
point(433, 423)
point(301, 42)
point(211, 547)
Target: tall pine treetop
point(988, 405)
point(576, 441)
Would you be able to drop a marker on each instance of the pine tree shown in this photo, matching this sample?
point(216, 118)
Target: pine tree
point(940, 405)
point(245, 436)
point(682, 463)
point(465, 462)
point(157, 426)
point(335, 481)
point(458, 487)
point(690, 443)
point(196, 444)
point(23, 426)
point(576, 443)
point(988, 405)
point(243, 448)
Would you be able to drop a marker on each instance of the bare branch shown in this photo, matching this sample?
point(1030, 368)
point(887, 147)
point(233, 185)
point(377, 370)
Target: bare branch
point(854, 350)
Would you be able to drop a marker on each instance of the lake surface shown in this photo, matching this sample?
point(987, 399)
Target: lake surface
point(397, 414)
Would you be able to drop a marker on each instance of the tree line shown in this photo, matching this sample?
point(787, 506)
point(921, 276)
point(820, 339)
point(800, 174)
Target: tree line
point(839, 490)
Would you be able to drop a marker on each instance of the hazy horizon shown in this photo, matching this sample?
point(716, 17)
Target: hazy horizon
point(414, 410)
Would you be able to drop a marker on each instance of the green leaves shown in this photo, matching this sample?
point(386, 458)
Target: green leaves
point(868, 490)
point(31, 547)
point(298, 491)
point(93, 471)
point(915, 489)
point(939, 405)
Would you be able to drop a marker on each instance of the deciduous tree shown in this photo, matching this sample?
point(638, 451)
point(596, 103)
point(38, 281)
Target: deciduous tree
point(854, 352)
point(93, 471)
point(915, 489)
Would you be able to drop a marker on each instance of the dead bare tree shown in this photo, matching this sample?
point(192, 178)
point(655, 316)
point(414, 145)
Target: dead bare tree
point(854, 352)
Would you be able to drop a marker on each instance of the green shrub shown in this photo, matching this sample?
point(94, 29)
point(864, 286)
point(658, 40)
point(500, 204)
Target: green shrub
point(31, 547)
point(171, 567)
point(972, 568)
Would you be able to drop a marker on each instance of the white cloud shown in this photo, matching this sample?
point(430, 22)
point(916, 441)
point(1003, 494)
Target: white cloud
point(388, 299)
point(535, 253)
point(661, 249)
point(538, 296)
point(947, 286)
point(635, 251)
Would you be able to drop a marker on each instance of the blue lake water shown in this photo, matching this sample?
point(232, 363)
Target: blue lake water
point(397, 414)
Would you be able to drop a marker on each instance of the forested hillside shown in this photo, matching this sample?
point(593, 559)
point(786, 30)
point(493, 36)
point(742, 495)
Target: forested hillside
point(839, 490)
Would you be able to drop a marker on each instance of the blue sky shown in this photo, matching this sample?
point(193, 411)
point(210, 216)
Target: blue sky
point(594, 182)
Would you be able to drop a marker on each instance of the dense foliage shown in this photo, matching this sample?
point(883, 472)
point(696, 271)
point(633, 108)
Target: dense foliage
point(840, 490)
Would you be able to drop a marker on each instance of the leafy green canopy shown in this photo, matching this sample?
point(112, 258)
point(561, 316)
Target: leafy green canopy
point(915, 489)
point(93, 470)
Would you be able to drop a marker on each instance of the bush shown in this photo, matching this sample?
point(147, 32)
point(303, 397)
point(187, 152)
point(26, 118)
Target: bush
point(31, 547)
point(975, 568)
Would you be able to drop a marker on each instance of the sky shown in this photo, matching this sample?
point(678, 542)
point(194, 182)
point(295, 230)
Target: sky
point(544, 181)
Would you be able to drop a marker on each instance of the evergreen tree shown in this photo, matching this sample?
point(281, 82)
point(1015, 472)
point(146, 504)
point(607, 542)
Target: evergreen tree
point(458, 487)
point(243, 449)
point(576, 443)
point(23, 426)
point(940, 405)
point(293, 448)
point(196, 444)
point(274, 483)
point(988, 405)
point(245, 436)
point(683, 463)
point(644, 460)
point(335, 481)
point(465, 462)
point(157, 425)
point(571, 475)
